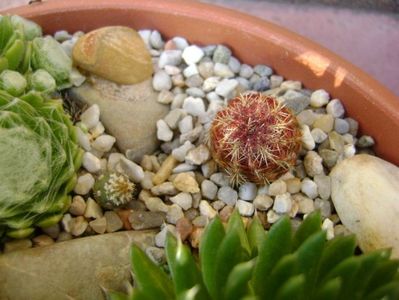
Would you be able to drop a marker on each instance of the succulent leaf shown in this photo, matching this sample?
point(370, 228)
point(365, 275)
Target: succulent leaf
point(309, 226)
point(292, 289)
point(150, 280)
point(237, 282)
point(209, 247)
point(256, 235)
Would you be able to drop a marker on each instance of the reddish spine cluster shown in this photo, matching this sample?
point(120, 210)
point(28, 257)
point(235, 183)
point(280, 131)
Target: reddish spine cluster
point(255, 138)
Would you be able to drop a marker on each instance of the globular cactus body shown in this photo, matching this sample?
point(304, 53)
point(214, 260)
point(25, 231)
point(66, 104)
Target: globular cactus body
point(255, 138)
point(113, 190)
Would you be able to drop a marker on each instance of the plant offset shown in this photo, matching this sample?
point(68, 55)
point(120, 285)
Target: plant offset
point(235, 263)
point(39, 149)
point(255, 138)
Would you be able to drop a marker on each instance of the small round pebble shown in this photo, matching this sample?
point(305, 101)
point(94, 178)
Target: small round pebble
point(209, 189)
point(164, 133)
point(184, 200)
point(282, 203)
point(335, 108)
point(228, 195)
point(84, 184)
point(247, 191)
point(192, 54)
point(91, 116)
point(319, 98)
point(245, 208)
point(91, 163)
point(161, 81)
point(194, 106)
point(309, 188)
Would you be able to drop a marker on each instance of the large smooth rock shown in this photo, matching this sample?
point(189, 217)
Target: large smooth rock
point(365, 192)
point(76, 269)
point(128, 112)
point(116, 53)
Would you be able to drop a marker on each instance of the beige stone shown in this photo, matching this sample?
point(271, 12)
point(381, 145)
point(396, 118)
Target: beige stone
point(116, 53)
point(76, 269)
point(365, 192)
point(128, 112)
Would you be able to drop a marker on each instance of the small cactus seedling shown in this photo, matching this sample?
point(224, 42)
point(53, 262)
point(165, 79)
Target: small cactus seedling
point(255, 138)
point(113, 190)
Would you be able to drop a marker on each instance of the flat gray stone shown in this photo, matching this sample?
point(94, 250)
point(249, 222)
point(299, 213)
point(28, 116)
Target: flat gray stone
point(75, 269)
point(128, 112)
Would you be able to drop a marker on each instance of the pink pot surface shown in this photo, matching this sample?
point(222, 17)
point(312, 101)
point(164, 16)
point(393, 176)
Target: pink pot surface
point(252, 40)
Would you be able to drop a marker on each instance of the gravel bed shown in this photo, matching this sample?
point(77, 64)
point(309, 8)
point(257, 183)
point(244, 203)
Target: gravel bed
point(179, 188)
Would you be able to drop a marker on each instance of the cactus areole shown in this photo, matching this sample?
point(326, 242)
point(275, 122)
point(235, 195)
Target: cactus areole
point(255, 138)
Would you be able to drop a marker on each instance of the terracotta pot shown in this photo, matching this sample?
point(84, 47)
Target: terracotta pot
point(253, 41)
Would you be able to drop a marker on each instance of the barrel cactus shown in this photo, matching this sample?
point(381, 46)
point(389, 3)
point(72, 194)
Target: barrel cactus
point(38, 162)
point(239, 263)
point(255, 138)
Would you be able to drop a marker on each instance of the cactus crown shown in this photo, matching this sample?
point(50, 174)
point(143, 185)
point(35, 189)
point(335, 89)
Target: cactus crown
point(239, 263)
point(113, 189)
point(255, 138)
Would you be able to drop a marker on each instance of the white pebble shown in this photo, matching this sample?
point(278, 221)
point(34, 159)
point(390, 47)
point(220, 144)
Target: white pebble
point(132, 170)
point(309, 188)
point(190, 70)
point(277, 187)
point(319, 98)
point(164, 133)
point(247, 191)
point(62, 35)
point(198, 156)
point(180, 42)
point(161, 81)
point(206, 209)
point(155, 204)
point(93, 210)
point(221, 179)
point(208, 189)
point(91, 116)
point(282, 203)
point(145, 36)
point(104, 143)
point(307, 139)
point(181, 152)
point(97, 130)
point(170, 58)
point(173, 118)
point(324, 206)
point(186, 124)
point(319, 136)
point(313, 163)
point(263, 202)
point(222, 70)
point(156, 40)
point(335, 108)
point(192, 54)
point(234, 64)
point(174, 214)
point(194, 106)
point(228, 195)
point(245, 208)
point(84, 184)
point(226, 87)
point(210, 84)
point(183, 168)
point(91, 163)
point(184, 200)
point(113, 160)
point(328, 226)
point(349, 150)
point(160, 238)
point(83, 139)
point(272, 216)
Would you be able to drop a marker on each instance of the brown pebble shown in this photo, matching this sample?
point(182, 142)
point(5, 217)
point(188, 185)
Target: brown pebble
point(184, 228)
point(191, 214)
point(124, 216)
point(195, 237)
point(225, 213)
point(64, 236)
point(42, 240)
point(165, 170)
point(146, 219)
point(170, 45)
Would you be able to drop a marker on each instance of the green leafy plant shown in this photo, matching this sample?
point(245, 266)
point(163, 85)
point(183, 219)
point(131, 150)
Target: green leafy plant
point(38, 162)
point(23, 49)
point(239, 263)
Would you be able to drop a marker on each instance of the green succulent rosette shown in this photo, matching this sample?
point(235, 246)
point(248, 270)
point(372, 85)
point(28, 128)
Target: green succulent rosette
point(38, 162)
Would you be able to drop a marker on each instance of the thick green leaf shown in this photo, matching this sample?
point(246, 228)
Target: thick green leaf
point(346, 271)
point(309, 254)
point(235, 224)
point(292, 289)
point(335, 251)
point(389, 291)
point(190, 294)
point(329, 291)
point(15, 54)
point(210, 243)
point(6, 31)
point(149, 279)
point(309, 226)
point(286, 268)
point(256, 235)
point(237, 282)
point(276, 244)
point(230, 254)
point(184, 270)
point(384, 273)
